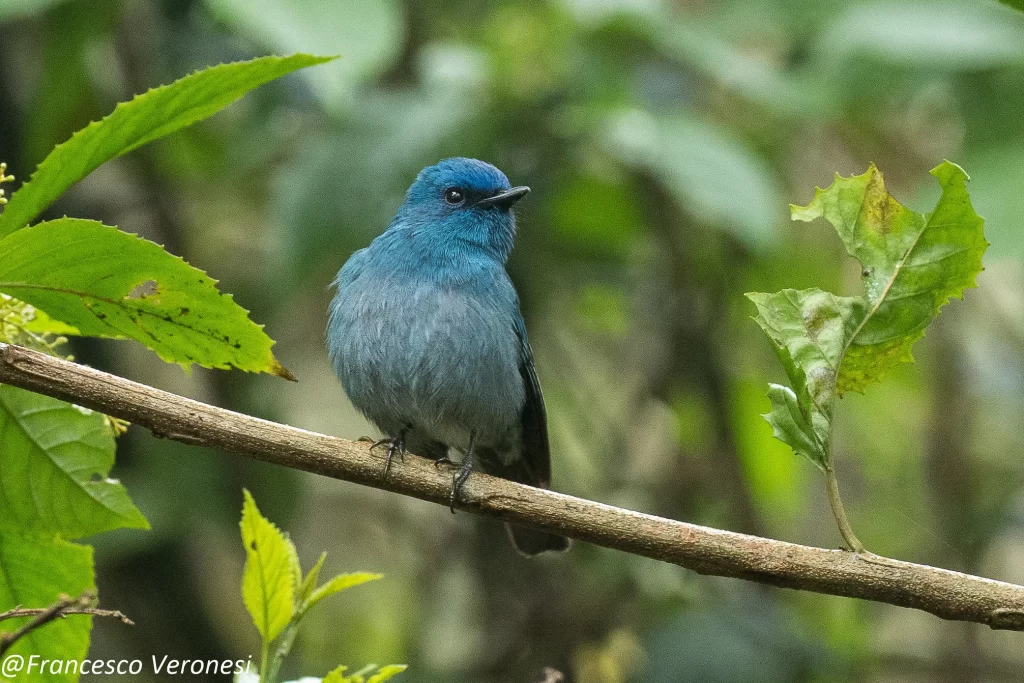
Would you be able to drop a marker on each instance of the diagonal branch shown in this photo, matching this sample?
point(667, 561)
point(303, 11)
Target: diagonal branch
point(944, 593)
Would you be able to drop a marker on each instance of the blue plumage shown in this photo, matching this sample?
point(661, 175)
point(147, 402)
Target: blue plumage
point(426, 335)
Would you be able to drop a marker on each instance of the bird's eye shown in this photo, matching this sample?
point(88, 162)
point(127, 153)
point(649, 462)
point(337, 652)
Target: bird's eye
point(453, 195)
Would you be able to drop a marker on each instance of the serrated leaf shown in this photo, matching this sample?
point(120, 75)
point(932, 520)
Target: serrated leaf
point(267, 581)
point(35, 572)
point(54, 462)
point(912, 264)
point(387, 672)
point(337, 584)
point(296, 568)
point(145, 118)
point(108, 283)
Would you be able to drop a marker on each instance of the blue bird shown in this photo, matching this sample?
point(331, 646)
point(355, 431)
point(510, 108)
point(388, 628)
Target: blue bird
point(427, 339)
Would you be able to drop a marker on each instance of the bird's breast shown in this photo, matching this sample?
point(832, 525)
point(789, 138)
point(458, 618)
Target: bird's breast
point(443, 356)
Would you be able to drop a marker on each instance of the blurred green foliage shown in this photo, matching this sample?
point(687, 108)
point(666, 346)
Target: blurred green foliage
point(663, 141)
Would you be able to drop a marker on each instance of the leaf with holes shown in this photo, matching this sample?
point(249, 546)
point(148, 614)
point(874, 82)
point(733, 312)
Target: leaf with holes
point(108, 283)
point(147, 117)
point(912, 263)
point(54, 461)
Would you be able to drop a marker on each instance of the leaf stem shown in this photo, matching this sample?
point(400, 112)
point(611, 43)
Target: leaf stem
point(284, 646)
point(838, 511)
point(264, 661)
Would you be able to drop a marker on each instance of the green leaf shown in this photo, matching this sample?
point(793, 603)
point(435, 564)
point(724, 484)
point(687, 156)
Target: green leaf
point(296, 568)
point(35, 573)
point(337, 584)
point(808, 329)
point(54, 461)
point(108, 283)
point(149, 116)
point(308, 585)
point(387, 672)
point(912, 265)
point(268, 581)
point(790, 425)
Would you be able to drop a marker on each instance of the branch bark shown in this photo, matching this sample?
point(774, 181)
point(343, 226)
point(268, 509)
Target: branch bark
point(946, 594)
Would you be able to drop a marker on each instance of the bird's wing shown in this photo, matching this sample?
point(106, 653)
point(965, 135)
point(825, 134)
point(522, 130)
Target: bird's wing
point(536, 451)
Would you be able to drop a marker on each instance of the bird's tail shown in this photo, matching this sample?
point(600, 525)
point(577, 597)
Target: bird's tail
point(528, 542)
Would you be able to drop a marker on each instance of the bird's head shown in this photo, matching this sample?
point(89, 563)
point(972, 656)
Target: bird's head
point(465, 200)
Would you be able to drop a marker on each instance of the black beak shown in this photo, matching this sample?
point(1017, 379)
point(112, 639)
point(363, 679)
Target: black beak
point(505, 199)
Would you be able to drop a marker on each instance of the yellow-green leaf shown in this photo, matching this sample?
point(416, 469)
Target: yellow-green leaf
point(337, 676)
point(387, 672)
point(308, 584)
point(268, 586)
point(337, 584)
point(296, 568)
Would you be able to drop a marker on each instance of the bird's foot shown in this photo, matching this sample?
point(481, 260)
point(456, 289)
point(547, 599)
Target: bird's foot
point(459, 478)
point(396, 446)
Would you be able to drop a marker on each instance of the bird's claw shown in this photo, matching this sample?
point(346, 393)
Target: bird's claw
point(458, 479)
point(443, 460)
point(396, 446)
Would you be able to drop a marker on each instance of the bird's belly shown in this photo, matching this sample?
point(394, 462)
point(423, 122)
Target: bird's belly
point(440, 360)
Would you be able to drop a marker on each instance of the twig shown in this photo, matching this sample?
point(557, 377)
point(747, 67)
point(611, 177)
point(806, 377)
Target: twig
point(21, 612)
point(944, 593)
point(83, 604)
